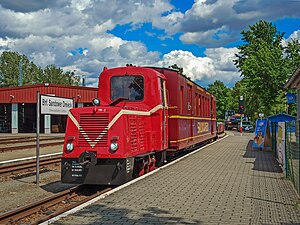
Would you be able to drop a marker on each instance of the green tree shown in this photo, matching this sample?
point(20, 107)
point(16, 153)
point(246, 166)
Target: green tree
point(292, 52)
point(179, 69)
point(55, 75)
point(176, 67)
point(263, 68)
point(9, 69)
point(223, 96)
point(31, 73)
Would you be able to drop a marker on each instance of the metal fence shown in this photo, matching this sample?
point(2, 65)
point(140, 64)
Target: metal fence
point(292, 152)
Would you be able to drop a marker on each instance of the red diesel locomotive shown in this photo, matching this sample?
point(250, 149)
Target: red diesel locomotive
point(141, 116)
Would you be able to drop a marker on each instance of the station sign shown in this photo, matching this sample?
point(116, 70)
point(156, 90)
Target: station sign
point(56, 105)
point(291, 98)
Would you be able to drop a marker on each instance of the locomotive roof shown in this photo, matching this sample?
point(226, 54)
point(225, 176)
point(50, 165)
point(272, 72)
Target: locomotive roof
point(170, 69)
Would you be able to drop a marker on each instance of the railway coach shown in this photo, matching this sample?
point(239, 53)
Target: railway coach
point(141, 116)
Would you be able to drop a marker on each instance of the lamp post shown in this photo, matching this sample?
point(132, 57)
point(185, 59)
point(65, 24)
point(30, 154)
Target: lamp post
point(241, 108)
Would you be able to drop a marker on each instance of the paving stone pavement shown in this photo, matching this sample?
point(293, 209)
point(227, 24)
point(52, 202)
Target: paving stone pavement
point(225, 183)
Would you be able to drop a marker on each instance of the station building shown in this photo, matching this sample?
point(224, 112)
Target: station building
point(18, 106)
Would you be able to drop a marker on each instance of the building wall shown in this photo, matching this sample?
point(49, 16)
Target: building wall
point(18, 107)
point(28, 94)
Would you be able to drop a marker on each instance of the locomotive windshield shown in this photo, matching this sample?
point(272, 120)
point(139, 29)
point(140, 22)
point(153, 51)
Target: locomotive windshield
point(129, 87)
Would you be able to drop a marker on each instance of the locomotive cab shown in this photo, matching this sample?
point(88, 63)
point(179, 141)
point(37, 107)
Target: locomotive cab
point(123, 135)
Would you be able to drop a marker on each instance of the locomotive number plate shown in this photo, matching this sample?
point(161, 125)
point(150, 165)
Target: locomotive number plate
point(76, 169)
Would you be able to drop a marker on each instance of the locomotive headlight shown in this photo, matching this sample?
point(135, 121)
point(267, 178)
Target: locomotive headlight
point(70, 147)
point(114, 146)
point(96, 101)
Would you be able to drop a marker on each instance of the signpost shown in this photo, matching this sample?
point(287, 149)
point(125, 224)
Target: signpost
point(38, 138)
point(49, 105)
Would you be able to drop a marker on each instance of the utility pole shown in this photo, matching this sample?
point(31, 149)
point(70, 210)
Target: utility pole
point(20, 82)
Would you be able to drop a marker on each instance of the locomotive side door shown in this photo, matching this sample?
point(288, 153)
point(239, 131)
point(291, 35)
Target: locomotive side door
point(163, 92)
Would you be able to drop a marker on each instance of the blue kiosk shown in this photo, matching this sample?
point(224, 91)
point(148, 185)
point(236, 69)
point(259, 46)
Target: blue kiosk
point(279, 130)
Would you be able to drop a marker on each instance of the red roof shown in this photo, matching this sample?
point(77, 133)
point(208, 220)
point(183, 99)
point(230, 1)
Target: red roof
point(27, 94)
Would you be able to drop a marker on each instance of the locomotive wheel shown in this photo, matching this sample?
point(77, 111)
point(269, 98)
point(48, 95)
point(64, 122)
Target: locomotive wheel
point(146, 168)
point(138, 167)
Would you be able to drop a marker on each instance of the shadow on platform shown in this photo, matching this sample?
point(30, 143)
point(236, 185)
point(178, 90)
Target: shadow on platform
point(264, 160)
point(105, 214)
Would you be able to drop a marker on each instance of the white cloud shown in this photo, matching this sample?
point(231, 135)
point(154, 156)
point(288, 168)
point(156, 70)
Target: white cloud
point(33, 5)
point(80, 4)
point(51, 31)
point(294, 36)
point(122, 12)
point(150, 11)
point(217, 65)
point(210, 38)
point(48, 22)
point(55, 35)
point(44, 58)
point(217, 23)
point(222, 58)
point(85, 52)
point(102, 28)
point(5, 43)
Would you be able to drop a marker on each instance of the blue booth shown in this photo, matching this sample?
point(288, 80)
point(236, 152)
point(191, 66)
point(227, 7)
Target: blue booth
point(279, 130)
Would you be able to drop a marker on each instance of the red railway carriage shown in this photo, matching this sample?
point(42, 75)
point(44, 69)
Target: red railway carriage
point(191, 109)
point(141, 115)
point(221, 128)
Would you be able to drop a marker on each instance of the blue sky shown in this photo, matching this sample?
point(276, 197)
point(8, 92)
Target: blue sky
point(85, 35)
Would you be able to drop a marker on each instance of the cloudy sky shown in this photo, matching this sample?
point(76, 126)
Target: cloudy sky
point(85, 35)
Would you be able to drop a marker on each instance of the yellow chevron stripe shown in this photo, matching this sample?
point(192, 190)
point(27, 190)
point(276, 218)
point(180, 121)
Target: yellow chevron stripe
point(84, 134)
point(133, 112)
point(122, 112)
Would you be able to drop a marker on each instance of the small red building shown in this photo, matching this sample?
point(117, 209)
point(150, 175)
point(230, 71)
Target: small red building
point(18, 107)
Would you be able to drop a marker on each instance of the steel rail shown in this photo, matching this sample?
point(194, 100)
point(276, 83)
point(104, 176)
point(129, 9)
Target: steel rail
point(43, 206)
point(12, 148)
point(28, 139)
point(16, 168)
point(14, 138)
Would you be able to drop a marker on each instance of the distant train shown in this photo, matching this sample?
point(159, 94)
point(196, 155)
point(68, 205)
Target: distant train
point(142, 115)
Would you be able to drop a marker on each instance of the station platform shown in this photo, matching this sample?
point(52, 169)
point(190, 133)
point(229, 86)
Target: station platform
point(227, 182)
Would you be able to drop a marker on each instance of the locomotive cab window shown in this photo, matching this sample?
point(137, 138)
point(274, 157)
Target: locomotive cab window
point(129, 87)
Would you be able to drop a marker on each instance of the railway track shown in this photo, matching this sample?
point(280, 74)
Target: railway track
point(20, 147)
point(27, 166)
point(52, 206)
point(27, 139)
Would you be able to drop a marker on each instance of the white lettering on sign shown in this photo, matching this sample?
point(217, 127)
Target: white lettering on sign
point(55, 105)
